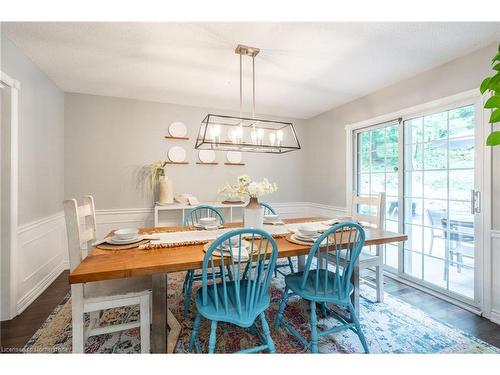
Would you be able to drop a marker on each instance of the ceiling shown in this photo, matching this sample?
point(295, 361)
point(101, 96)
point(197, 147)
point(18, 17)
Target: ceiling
point(303, 69)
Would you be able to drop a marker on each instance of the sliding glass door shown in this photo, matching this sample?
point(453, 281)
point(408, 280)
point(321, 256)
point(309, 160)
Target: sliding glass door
point(427, 166)
point(439, 190)
point(378, 171)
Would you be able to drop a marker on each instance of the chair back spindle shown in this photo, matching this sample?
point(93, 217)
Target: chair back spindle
point(194, 215)
point(344, 243)
point(246, 294)
point(268, 209)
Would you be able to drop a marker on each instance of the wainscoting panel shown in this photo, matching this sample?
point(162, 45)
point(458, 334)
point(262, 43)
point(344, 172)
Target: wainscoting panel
point(42, 256)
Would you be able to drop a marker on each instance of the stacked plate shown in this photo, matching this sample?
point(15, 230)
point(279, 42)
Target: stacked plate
point(244, 252)
point(306, 233)
point(124, 237)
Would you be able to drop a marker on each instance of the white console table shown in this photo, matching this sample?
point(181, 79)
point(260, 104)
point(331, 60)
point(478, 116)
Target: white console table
point(228, 210)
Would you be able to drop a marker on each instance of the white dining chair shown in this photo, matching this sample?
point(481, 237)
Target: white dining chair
point(96, 296)
point(373, 217)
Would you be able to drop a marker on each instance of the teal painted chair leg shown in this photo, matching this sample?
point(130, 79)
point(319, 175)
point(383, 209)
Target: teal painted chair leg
point(187, 293)
point(194, 334)
point(290, 264)
point(359, 332)
point(267, 333)
point(324, 310)
point(213, 337)
point(314, 328)
point(283, 302)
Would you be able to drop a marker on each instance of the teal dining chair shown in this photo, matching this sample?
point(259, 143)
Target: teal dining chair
point(191, 219)
point(245, 298)
point(324, 286)
point(268, 209)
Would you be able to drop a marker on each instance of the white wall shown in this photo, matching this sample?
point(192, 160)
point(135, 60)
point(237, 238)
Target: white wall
point(326, 134)
point(109, 140)
point(41, 254)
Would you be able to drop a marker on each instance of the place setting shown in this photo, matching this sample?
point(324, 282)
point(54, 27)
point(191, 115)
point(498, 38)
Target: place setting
point(233, 247)
point(122, 239)
point(207, 223)
point(273, 219)
point(304, 235)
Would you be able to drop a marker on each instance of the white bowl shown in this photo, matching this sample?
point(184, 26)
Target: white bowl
point(307, 230)
point(208, 220)
point(271, 217)
point(126, 233)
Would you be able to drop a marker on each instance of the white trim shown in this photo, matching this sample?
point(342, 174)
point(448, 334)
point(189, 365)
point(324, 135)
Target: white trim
point(495, 233)
point(40, 287)
point(483, 177)
point(415, 110)
point(10, 302)
point(36, 223)
point(434, 293)
point(495, 316)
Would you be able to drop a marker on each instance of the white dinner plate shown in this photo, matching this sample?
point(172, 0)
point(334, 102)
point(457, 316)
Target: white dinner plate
point(115, 241)
point(177, 154)
point(234, 157)
point(177, 129)
point(307, 239)
point(206, 156)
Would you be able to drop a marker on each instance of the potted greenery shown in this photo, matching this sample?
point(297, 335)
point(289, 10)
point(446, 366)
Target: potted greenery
point(492, 85)
point(159, 178)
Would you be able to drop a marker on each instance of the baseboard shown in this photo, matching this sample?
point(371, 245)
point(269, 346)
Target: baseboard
point(40, 287)
point(495, 316)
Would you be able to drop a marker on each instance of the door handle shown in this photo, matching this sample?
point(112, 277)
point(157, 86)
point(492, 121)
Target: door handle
point(475, 202)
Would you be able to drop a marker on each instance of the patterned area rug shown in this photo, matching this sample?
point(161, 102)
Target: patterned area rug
point(390, 327)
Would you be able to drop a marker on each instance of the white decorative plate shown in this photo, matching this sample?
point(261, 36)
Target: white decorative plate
point(206, 156)
point(177, 129)
point(234, 157)
point(177, 154)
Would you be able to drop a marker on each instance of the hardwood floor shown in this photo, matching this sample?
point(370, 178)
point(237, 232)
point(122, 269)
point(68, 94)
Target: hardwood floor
point(15, 333)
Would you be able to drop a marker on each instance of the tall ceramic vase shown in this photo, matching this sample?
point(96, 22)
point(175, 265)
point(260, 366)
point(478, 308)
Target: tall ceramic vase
point(166, 190)
point(253, 214)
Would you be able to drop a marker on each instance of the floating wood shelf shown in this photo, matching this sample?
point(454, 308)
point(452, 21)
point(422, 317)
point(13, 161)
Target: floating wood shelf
point(177, 162)
point(234, 163)
point(179, 138)
point(200, 162)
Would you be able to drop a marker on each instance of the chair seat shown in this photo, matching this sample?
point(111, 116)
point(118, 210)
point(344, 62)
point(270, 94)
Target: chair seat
point(230, 315)
point(293, 281)
point(364, 257)
point(118, 287)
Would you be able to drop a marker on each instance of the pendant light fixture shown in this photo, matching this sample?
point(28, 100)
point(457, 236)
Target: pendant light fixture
point(231, 133)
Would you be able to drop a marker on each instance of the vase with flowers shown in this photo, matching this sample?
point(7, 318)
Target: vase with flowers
point(253, 213)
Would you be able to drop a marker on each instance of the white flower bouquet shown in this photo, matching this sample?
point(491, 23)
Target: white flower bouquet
point(252, 189)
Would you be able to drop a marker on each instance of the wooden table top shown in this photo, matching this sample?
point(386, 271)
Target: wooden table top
point(117, 264)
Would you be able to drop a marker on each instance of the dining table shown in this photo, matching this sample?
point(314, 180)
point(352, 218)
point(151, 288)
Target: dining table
point(158, 262)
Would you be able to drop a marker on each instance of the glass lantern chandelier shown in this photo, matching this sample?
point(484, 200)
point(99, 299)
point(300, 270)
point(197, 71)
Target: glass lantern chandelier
point(231, 133)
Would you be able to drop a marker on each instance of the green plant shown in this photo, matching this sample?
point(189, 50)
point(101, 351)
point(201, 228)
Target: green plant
point(492, 85)
point(156, 170)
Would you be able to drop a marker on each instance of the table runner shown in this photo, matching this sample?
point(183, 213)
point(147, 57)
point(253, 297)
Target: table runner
point(195, 237)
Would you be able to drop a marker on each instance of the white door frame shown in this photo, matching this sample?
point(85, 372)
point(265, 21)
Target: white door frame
point(9, 310)
point(483, 175)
